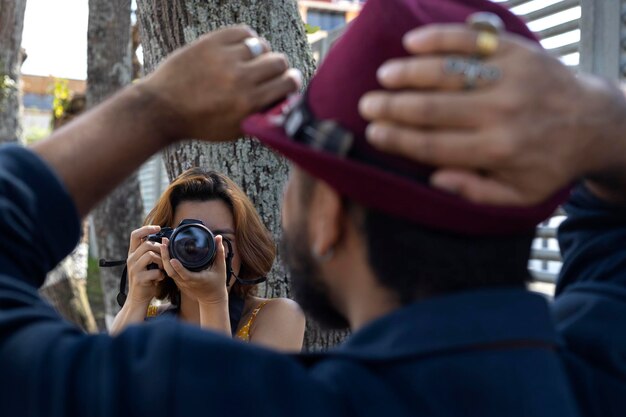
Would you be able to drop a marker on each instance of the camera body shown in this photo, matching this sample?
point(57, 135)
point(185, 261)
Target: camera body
point(191, 242)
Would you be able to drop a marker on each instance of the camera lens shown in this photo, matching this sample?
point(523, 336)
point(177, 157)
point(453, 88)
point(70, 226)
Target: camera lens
point(194, 246)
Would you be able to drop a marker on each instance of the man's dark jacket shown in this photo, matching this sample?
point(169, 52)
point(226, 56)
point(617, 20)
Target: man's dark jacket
point(488, 353)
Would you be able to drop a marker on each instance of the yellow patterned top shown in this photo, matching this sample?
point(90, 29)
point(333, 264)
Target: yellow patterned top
point(244, 332)
point(153, 311)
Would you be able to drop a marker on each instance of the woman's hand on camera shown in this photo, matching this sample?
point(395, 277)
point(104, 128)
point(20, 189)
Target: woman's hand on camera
point(143, 282)
point(207, 286)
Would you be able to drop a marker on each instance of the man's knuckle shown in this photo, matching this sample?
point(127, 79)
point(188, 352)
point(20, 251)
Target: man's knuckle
point(433, 37)
point(428, 149)
point(238, 75)
point(438, 77)
point(501, 151)
point(508, 107)
point(421, 109)
point(245, 103)
point(281, 63)
point(474, 194)
point(405, 140)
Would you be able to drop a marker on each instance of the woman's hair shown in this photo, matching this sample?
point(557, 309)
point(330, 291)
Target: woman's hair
point(255, 245)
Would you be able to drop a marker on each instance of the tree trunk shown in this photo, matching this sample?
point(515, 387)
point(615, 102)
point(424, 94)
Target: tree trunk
point(109, 69)
point(167, 25)
point(11, 26)
point(66, 287)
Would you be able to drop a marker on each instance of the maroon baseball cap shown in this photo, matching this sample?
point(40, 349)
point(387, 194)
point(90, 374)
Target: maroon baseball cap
point(323, 133)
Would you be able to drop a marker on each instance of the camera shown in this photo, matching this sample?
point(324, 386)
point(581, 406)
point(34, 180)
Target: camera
point(191, 242)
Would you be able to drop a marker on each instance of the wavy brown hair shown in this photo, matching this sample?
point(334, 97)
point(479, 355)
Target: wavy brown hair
point(255, 245)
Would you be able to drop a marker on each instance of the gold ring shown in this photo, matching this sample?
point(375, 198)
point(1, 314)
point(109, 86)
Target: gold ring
point(486, 43)
point(488, 26)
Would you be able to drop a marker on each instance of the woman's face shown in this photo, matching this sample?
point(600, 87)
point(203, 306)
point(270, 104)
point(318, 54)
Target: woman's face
point(215, 215)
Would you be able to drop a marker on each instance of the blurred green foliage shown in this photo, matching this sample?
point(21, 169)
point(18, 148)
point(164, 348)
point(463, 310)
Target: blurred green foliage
point(62, 97)
point(311, 29)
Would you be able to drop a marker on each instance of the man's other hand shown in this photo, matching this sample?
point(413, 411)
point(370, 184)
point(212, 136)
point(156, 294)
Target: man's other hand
point(513, 141)
point(206, 88)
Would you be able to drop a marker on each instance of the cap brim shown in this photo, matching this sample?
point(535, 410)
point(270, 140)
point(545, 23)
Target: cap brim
point(398, 195)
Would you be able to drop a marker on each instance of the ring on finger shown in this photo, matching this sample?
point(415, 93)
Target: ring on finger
point(489, 26)
point(255, 46)
point(472, 71)
point(486, 43)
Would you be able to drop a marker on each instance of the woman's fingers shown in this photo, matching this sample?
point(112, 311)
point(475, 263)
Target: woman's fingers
point(146, 246)
point(153, 276)
point(167, 262)
point(137, 236)
point(148, 259)
point(203, 283)
point(178, 269)
point(219, 264)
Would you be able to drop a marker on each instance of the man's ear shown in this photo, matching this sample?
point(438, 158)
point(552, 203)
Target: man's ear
point(325, 219)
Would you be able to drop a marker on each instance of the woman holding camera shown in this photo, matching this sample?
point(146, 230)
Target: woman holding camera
point(204, 297)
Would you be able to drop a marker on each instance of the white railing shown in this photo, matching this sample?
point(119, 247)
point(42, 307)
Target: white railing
point(555, 22)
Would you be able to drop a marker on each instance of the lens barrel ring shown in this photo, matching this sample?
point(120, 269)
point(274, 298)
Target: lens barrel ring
point(184, 245)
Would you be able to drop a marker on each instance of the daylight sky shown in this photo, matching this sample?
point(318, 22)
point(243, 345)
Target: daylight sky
point(55, 35)
point(55, 38)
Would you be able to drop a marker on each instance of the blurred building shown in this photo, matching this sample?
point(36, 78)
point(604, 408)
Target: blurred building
point(37, 101)
point(329, 15)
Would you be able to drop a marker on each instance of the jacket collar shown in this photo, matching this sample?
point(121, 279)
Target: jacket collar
point(494, 318)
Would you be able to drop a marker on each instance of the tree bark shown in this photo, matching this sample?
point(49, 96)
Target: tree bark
point(66, 288)
point(167, 25)
point(11, 27)
point(66, 285)
point(110, 69)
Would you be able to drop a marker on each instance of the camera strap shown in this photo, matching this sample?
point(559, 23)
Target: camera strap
point(121, 295)
point(229, 269)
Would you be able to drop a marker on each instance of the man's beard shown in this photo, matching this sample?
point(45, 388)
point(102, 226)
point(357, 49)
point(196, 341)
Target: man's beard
point(307, 286)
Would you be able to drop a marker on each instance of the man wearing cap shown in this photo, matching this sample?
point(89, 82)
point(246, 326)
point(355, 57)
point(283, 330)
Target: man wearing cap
point(432, 285)
point(523, 144)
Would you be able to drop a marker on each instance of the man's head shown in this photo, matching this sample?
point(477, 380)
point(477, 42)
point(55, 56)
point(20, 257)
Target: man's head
point(365, 228)
point(337, 250)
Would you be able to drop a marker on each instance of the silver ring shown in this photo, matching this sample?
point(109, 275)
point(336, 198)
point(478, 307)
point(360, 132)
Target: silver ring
point(486, 21)
point(255, 46)
point(472, 70)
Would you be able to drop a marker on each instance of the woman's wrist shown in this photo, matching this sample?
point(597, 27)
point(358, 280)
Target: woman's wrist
point(218, 298)
point(214, 314)
point(136, 303)
point(131, 313)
